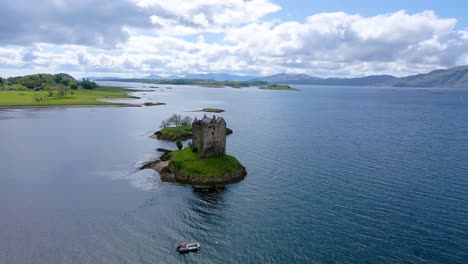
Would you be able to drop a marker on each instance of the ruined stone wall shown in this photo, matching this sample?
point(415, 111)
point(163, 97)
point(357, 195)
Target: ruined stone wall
point(210, 139)
point(214, 136)
point(197, 136)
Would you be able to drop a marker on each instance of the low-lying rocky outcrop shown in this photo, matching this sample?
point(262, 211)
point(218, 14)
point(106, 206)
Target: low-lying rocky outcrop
point(210, 110)
point(153, 104)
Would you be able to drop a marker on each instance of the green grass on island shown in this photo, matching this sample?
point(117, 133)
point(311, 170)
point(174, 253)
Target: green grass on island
point(176, 131)
point(212, 110)
point(188, 163)
point(278, 87)
point(72, 97)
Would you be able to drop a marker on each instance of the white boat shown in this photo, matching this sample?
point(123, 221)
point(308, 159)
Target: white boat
point(187, 247)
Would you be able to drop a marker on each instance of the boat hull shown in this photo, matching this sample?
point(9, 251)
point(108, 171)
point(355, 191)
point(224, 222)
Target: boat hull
point(188, 247)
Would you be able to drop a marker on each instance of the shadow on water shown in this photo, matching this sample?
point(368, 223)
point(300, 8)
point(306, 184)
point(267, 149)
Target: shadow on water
point(204, 212)
point(207, 202)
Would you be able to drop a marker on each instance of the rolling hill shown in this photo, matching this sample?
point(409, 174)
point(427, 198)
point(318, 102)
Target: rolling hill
point(454, 77)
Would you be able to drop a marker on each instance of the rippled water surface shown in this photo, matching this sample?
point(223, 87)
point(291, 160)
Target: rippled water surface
point(336, 175)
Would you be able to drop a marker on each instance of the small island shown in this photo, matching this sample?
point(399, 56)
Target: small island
point(204, 163)
point(210, 110)
point(153, 104)
point(278, 87)
point(177, 128)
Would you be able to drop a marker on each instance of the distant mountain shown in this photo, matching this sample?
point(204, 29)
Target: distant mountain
point(454, 77)
point(153, 77)
point(94, 78)
point(362, 81)
point(220, 77)
point(284, 78)
point(206, 76)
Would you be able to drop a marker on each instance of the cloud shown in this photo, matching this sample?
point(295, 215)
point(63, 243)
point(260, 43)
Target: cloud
point(106, 23)
point(414, 42)
point(204, 13)
point(179, 17)
point(10, 58)
point(85, 22)
point(151, 37)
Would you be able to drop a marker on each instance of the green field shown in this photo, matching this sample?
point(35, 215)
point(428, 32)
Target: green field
point(176, 131)
point(188, 163)
point(73, 97)
point(278, 87)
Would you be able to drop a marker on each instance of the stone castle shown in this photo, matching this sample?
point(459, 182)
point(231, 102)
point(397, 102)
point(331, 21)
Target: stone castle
point(209, 136)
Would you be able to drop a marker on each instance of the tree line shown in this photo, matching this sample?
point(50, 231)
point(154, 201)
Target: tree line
point(235, 84)
point(46, 82)
point(176, 120)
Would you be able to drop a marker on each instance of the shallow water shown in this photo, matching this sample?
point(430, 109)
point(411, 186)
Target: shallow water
point(336, 175)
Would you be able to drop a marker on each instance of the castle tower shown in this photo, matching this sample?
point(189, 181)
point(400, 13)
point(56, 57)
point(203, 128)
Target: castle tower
point(209, 136)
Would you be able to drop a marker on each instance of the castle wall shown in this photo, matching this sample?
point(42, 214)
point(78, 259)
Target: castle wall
point(210, 139)
point(197, 136)
point(214, 140)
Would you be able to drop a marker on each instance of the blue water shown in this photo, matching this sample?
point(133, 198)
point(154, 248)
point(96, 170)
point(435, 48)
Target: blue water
point(336, 175)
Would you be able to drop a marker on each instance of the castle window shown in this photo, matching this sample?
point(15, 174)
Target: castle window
point(212, 133)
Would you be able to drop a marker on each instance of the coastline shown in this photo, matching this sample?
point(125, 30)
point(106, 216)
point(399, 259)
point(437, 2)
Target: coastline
point(102, 96)
point(68, 106)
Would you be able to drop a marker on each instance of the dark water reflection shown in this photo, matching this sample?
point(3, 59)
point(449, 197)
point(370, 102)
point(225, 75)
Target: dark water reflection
point(336, 175)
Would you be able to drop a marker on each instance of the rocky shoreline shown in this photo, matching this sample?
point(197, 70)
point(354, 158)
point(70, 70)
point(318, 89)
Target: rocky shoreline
point(160, 136)
point(169, 173)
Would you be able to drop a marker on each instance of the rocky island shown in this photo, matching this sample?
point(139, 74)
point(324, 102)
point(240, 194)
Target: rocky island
point(278, 87)
point(153, 104)
point(210, 110)
point(204, 163)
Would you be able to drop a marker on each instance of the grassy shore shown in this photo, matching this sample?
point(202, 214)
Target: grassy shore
point(188, 163)
point(176, 131)
point(278, 87)
point(73, 97)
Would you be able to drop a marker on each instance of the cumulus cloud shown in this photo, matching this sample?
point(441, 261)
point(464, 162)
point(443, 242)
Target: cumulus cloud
point(420, 41)
point(10, 58)
point(105, 23)
point(207, 14)
point(151, 37)
point(85, 22)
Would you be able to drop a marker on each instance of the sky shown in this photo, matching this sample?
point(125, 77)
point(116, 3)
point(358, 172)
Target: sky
point(324, 38)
